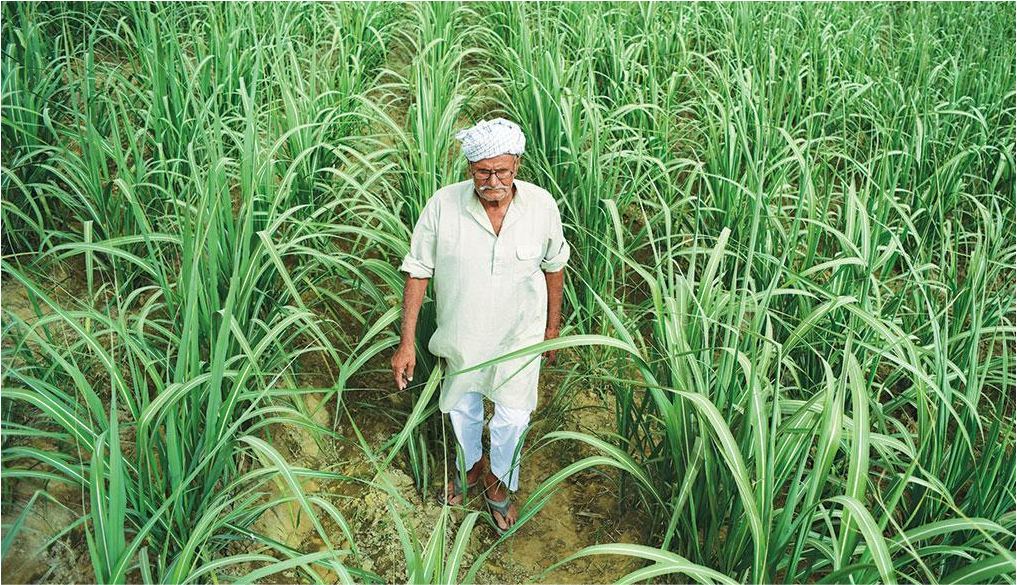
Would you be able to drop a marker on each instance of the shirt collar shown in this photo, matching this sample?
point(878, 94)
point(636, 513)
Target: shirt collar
point(516, 209)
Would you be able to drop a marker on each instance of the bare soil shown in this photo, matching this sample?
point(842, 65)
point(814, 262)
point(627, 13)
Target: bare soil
point(584, 512)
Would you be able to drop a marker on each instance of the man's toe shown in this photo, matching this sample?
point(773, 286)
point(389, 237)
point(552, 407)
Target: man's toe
point(450, 496)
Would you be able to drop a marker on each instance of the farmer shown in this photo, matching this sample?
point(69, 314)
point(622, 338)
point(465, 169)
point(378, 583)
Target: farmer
point(494, 246)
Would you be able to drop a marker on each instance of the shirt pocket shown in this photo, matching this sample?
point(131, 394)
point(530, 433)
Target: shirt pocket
point(527, 260)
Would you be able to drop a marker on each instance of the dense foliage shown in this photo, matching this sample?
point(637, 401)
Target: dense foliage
point(793, 275)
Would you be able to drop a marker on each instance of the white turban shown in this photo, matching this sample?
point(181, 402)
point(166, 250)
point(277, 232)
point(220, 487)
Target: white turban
point(491, 138)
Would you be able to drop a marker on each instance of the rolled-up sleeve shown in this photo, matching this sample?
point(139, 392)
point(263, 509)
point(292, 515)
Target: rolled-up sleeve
point(419, 263)
point(558, 250)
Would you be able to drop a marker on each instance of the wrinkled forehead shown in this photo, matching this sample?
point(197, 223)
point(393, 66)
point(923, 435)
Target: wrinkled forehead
point(495, 162)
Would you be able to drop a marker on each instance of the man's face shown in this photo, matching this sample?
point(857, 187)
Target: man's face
point(492, 177)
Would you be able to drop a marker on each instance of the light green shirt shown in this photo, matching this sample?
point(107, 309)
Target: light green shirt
point(490, 290)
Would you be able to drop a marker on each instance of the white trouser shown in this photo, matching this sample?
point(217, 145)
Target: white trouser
point(506, 429)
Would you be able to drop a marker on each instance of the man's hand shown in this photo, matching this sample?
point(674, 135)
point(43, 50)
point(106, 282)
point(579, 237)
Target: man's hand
point(402, 365)
point(550, 354)
point(406, 356)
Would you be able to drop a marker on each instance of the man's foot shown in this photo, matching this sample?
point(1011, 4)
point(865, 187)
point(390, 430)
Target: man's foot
point(497, 492)
point(474, 474)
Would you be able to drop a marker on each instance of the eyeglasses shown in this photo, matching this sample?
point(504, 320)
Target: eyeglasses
point(485, 174)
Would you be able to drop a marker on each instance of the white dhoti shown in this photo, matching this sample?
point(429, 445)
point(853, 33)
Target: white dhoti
point(506, 430)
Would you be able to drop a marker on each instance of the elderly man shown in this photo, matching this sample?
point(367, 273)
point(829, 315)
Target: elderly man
point(494, 246)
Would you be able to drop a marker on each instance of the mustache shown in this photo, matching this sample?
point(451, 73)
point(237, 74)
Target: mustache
point(485, 193)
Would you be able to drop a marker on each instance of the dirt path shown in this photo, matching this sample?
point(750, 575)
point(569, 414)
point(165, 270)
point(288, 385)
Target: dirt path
point(582, 513)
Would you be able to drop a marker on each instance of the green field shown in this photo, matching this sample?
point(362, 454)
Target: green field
point(788, 351)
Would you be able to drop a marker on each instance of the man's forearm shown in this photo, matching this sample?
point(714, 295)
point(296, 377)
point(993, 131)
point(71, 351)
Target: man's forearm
point(555, 284)
point(413, 297)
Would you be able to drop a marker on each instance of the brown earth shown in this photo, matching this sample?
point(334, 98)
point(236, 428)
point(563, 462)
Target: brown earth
point(582, 513)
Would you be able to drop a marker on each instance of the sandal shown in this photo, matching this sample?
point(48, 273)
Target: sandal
point(457, 490)
point(502, 508)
